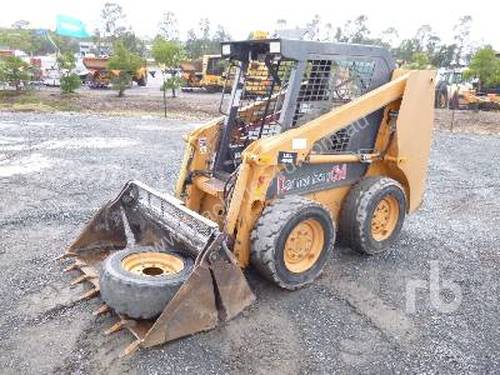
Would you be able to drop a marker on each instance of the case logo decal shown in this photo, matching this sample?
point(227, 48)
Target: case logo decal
point(289, 184)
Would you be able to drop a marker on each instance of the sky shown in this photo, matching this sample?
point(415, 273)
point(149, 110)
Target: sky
point(240, 18)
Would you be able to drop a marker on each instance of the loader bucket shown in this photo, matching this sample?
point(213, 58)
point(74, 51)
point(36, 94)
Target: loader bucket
point(216, 290)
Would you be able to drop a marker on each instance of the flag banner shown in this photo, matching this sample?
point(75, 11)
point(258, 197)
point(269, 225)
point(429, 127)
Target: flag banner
point(70, 26)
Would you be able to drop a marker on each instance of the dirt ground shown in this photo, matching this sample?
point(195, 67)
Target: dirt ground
point(137, 101)
point(57, 168)
point(462, 121)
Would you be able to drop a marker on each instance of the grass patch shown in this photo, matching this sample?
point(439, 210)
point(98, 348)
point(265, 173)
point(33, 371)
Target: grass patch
point(30, 107)
point(26, 101)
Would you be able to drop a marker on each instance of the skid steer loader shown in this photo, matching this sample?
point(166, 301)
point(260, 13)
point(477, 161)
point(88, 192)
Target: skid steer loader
point(339, 144)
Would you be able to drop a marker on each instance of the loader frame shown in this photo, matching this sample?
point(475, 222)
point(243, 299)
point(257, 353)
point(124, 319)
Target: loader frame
point(221, 194)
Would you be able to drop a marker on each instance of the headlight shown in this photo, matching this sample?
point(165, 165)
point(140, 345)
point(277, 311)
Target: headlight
point(274, 47)
point(226, 49)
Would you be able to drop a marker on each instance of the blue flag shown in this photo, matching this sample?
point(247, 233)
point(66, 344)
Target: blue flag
point(70, 26)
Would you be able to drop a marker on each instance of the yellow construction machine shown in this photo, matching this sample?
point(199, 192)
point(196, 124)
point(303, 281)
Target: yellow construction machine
point(339, 144)
point(211, 74)
point(207, 73)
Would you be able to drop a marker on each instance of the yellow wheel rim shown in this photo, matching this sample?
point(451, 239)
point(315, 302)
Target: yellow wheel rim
point(153, 264)
point(385, 218)
point(303, 246)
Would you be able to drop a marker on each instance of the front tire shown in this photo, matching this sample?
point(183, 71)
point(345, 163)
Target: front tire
point(372, 215)
point(292, 241)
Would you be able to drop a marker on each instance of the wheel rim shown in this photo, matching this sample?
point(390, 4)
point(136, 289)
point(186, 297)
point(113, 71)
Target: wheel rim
point(385, 218)
point(153, 264)
point(303, 246)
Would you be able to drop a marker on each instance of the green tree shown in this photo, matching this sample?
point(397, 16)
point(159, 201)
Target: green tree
point(193, 45)
point(15, 72)
point(202, 43)
point(126, 63)
point(112, 15)
point(221, 35)
point(168, 26)
point(360, 32)
point(485, 66)
point(406, 50)
point(69, 81)
point(419, 60)
point(65, 44)
point(462, 32)
point(168, 55)
point(443, 55)
point(132, 42)
point(314, 28)
point(30, 42)
point(17, 39)
point(390, 36)
point(355, 31)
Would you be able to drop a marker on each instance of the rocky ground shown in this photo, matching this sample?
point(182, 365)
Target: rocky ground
point(56, 169)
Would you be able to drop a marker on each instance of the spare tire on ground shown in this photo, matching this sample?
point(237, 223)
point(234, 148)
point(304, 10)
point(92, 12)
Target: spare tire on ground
point(139, 282)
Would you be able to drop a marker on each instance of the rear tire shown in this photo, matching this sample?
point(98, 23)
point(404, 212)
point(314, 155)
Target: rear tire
point(131, 286)
point(291, 242)
point(372, 215)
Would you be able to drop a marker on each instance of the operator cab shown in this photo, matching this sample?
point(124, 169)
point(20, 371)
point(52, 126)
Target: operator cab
point(279, 84)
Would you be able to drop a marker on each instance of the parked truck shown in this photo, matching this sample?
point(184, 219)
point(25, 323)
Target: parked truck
point(99, 76)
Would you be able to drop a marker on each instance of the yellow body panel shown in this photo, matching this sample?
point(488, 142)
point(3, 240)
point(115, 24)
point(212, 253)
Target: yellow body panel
point(402, 155)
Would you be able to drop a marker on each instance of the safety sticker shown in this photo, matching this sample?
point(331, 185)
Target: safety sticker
point(202, 145)
point(285, 157)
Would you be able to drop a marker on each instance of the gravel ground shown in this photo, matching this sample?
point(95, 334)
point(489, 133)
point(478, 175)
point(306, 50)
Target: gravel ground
point(56, 169)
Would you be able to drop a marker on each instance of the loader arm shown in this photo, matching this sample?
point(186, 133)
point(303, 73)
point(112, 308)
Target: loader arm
point(412, 136)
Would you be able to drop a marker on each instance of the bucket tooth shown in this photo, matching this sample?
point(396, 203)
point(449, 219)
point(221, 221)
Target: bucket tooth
point(90, 294)
point(74, 266)
point(118, 326)
point(101, 310)
point(67, 254)
point(131, 349)
point(79, 279)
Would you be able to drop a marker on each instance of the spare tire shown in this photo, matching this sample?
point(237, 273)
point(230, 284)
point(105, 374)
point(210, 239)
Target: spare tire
point(139, 282)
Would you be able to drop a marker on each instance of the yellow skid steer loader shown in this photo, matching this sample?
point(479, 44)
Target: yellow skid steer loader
point(338, 145)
